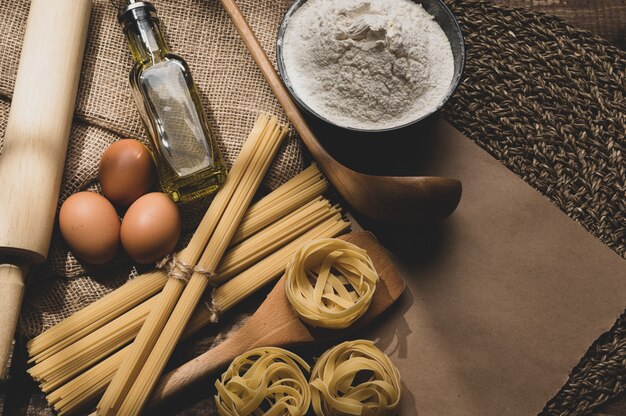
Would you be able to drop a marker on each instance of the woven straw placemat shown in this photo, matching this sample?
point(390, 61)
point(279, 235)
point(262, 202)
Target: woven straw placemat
point(545, 99)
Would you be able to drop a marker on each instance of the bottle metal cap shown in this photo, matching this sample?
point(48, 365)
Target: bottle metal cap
point(136, 10)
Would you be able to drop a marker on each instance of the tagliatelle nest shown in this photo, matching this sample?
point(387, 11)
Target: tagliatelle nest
point(264, 381)
point(330, 283)
point(355, 378)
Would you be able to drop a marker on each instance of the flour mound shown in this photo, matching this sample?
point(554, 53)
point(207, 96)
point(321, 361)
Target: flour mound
point(367, 64)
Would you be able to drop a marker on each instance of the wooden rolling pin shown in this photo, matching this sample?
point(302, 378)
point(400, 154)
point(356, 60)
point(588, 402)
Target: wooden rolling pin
point(35, 143)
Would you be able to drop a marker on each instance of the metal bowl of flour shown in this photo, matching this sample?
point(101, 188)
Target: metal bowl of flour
point(448, 23)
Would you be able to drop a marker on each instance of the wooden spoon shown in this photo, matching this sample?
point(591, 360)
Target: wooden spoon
point(276, 324)
point(404, 200)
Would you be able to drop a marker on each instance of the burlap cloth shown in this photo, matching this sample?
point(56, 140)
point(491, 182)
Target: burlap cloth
point(546, 99)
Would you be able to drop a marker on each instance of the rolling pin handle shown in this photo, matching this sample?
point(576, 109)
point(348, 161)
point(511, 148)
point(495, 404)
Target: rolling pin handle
point(12, 283)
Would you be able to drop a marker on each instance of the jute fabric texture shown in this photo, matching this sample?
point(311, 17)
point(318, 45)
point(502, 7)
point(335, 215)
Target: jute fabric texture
point(232, 92)
point(545, 99)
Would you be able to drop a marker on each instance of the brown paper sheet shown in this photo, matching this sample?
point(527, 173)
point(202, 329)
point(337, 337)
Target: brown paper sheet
point(502, 300)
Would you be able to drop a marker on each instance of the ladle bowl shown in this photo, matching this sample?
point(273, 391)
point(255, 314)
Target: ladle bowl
point(403, 200)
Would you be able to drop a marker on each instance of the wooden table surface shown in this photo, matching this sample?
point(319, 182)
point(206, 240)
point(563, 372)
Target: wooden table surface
point(606, 18)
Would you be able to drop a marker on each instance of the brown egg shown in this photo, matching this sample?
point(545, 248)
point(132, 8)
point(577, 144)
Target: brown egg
point(126, 172)
point(90, 226)
point(151, 228)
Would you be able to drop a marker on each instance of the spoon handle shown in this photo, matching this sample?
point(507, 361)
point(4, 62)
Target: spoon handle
point(282, 95)
point(197, 369)
point(405, 200)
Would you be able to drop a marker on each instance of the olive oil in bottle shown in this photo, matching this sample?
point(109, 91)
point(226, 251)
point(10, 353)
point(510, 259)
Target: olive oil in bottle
point(188, 161)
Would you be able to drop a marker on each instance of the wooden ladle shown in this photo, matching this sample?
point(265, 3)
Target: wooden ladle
point(394, 199)
point(276, 324)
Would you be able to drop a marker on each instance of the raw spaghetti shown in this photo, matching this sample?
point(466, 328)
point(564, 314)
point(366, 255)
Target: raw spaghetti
point(151, 362)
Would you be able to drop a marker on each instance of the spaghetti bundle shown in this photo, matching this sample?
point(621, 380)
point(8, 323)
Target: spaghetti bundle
point(355, 378)
point(330, 283)
point(272, 237)
point(82, 354)
point(266, 380)
point(299, 190)
point(157, 338)
point(77, 359)
point(78, 392)
point(73, 375)
point(95, 315)
point(302, 188)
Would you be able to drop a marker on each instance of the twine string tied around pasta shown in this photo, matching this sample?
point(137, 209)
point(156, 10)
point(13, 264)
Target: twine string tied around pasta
point(209, 274)
point(175, 268)
point(214, 309)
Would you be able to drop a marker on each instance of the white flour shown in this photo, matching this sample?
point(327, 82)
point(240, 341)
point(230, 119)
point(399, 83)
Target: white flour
point(367, 64)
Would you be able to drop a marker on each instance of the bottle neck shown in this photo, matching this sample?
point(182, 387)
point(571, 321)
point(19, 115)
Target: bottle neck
point(146, 41)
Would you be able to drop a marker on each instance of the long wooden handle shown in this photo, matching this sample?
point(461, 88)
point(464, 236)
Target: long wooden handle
point(35, 143)
point(198, 369)
point(327, 164)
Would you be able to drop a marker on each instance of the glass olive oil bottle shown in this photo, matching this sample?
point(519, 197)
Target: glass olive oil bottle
point(188, 161)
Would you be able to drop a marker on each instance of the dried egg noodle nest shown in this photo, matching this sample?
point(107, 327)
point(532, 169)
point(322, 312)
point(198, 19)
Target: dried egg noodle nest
point(264, 381)
point(330, 282)
point(337, 386)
